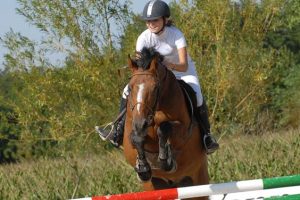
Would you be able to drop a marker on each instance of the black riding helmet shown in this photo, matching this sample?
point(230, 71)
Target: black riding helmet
point(155, 9)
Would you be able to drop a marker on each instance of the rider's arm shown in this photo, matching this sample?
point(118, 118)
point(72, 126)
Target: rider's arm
point(182, 66)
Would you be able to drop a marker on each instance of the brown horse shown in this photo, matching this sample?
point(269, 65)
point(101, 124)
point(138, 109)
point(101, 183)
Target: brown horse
point(161, 139)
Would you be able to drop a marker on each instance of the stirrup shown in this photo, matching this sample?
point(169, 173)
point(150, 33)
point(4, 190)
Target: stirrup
point(103, 133)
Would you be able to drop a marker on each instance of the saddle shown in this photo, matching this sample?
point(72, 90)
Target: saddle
point(190, 98)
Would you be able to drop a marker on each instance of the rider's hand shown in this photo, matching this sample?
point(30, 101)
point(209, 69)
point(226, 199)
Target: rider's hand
point(169, 65)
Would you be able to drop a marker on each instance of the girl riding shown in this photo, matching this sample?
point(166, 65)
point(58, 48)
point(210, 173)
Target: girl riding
point(170, 42)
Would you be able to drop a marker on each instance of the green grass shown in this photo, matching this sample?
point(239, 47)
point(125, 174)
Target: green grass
point(240, 158)
point(250, 157)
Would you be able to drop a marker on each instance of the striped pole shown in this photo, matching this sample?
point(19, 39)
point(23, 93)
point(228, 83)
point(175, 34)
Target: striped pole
point(206, 190)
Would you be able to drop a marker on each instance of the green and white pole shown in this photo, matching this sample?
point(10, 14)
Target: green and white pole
point(287, 197)
point(284, 181)
point(239, 186)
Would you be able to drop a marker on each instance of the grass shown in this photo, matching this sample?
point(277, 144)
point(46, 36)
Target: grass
point(250, 157)
point(240, 157)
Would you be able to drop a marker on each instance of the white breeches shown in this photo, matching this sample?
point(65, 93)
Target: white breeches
point(192, 80)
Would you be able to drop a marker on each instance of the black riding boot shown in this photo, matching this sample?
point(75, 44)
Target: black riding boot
point(210, 143)
point(116, 135)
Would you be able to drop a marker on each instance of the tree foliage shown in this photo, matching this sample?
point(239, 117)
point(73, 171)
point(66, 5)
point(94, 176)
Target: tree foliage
point(58, 106)
point(226, 40)
point(9, 129)
point(285, 81)
point(77, 26)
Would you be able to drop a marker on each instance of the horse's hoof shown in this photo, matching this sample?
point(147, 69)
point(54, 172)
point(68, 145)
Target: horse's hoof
point(144, 172)
point(144, 176)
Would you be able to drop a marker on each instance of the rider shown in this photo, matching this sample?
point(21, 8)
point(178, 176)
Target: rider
point(169, 42)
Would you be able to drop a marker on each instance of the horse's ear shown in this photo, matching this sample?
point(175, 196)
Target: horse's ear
point(153, 64)
point(131, 65)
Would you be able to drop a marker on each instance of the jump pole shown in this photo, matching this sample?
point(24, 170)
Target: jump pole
point(206, 190)
point(288, 197)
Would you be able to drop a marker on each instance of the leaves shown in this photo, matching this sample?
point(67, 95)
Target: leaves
point(83, 25)
point(227, 42)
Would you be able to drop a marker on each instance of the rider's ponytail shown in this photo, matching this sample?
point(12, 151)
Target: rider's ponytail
point(169, 22)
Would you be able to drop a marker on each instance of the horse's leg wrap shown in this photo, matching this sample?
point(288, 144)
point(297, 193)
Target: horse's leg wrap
point(165, 156)
point(142, 167)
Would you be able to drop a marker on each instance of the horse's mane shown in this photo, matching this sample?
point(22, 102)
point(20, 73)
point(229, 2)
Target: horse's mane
point(145, 57)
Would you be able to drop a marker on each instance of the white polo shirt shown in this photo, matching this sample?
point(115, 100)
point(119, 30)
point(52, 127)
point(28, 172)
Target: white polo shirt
point(167, 44)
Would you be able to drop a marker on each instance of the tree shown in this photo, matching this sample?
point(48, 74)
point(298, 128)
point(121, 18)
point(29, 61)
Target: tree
point(285, 81)
point(59, 105)
point(226, 40)
point(76, 26)
point(9, 128)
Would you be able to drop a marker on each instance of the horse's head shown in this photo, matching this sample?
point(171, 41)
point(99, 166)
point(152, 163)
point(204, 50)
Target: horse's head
point(144, 88)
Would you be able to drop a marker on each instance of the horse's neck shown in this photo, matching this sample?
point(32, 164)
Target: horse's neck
point(172, 100)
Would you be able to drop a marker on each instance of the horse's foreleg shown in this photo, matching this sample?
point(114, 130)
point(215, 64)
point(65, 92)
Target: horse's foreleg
point(142, 168)
point(164, 131)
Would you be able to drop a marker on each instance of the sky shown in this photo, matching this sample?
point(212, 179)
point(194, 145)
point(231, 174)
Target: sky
point(9, 19)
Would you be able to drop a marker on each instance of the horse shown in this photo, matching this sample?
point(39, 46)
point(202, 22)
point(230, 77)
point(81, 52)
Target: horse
point(162, 140)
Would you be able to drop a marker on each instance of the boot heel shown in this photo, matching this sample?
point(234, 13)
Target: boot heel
point(210, 143)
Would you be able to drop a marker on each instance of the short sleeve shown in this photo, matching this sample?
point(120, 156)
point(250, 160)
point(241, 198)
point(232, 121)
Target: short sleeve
point(180, 41)
point(140, 43)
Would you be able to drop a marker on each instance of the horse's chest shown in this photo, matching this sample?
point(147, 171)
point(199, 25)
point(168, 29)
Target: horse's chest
point(154, 161)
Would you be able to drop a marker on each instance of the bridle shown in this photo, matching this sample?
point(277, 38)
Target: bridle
point(153, 108)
